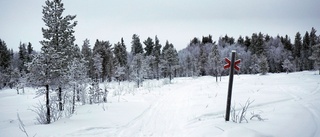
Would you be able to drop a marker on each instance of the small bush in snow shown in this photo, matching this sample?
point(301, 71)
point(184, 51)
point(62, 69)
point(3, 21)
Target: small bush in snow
point(166, 81)
point(240, 116)
point(40, 110)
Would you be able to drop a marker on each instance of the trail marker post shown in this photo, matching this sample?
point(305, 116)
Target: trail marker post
point(233, 64)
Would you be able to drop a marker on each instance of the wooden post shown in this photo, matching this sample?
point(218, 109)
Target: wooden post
point(230, 86)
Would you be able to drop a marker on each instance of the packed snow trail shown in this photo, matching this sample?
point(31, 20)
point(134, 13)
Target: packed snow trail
point(167, 116)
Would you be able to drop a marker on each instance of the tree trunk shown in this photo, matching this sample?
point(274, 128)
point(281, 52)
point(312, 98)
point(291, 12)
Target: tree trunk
point(170, 74)
point(78, 94)
point(73, 98)
point(60, 99)
point(216, 75)
point(157, 72)
point(47, 104)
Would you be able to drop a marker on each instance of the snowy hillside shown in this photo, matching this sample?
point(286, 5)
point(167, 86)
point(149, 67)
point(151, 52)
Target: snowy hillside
point(288, 103)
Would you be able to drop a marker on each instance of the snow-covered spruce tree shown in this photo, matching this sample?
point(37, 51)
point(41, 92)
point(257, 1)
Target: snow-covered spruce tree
point(312, 42)
point(287, 65)
point(156, 53)
point(171, 61)
point(88, 57)
point(137, 71)
point(136, 68)
point(30, 52)
point(263, 65)
point(22, 57)
point(276, 54)
point(120, 73)
point(120, 62)
point(44, 72)
point(305, 52)
point(78, 80)
point(297, 52)
point(256, 44)
point(50, 67)
point(147, 66)
point(104, 49)
point(5, 59)
point(215, 59)
point(254, 66)
point(14, 78)
point(316, 56)
point(188, 66)
point(97, 65)
point(164, 62)
point(149, 45)
point(149, 58)
point(94, 90)
point(136, 46)
point(202, 60)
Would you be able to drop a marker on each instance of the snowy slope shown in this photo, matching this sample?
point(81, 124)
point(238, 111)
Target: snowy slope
point(289, 103)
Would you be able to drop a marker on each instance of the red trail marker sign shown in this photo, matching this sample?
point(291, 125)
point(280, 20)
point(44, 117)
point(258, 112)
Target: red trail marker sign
point(233, 64)
point(226, 66)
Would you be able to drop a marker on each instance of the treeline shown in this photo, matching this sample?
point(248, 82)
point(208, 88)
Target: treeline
point(64, 71)
point(259, 53)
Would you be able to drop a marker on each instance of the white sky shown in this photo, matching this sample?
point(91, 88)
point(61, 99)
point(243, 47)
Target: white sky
point(175, 20)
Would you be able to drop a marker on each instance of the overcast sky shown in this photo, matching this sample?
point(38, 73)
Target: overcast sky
point(175, 20)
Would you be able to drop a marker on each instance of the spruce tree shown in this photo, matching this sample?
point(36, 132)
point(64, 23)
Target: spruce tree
point(23, 57)
point(5, 60)
point(286, 42)
point(263, 65)
point(189, 66)
point(315, 56)
point(137, 69)
point(305, 51)
point(156, 53)
point(287, 65)
point(297, 52)
point(240, 40)
point(50, 67)
point(171, 60)
point(247, 42)
point(256, 44)
point(216, 60)
point(136, 46)
point(4, 56)
point(88, 57)
point(202, 61)
point(30, 52)
point(149, 46)
point(124, 54)
point(312, 42)
point(313, 37)
point(104, 49)
point(120, 62)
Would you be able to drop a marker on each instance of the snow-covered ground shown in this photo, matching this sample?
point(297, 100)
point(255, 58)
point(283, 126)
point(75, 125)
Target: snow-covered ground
point(289, 103)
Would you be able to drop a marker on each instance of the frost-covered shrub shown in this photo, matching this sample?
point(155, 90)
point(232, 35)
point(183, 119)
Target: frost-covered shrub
point(240, 116)
point(166, 81)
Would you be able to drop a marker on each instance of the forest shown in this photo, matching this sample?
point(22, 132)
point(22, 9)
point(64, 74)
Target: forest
point(64, 68)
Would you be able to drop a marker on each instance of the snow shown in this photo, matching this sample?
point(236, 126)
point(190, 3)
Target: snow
point(193, 107)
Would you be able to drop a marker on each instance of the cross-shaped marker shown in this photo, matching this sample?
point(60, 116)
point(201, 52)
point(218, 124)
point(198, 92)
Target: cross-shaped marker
point(229, 64)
